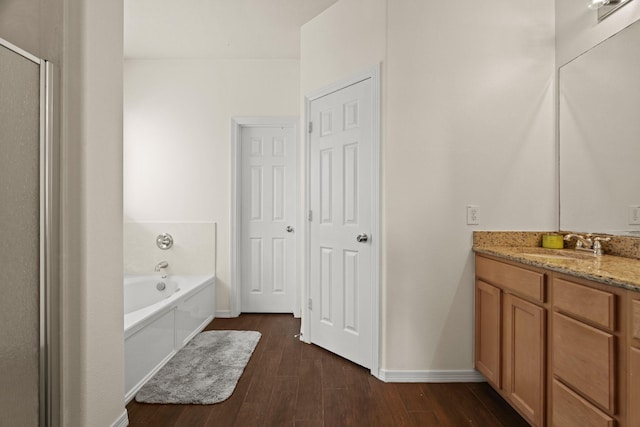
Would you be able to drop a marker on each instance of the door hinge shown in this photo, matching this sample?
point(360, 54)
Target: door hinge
point(310, 216)
point(310, 127)
point(310, 305)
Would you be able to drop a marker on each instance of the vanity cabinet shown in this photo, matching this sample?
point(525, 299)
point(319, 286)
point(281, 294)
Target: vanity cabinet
point(510, 334)
point(564, 351)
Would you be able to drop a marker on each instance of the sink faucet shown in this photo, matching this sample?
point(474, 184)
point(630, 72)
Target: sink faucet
point(588, 243)
point(582, 242)
point(160, 266)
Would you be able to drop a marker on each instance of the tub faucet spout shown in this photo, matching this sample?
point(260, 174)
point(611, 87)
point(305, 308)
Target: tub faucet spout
point(160, 265)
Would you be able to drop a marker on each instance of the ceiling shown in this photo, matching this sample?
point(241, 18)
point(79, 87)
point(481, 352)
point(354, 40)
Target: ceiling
point(220, 29)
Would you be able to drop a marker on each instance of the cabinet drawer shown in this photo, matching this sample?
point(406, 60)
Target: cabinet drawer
point(525, 282)
point(587, 303)
point(583, 357)
point(571, 410)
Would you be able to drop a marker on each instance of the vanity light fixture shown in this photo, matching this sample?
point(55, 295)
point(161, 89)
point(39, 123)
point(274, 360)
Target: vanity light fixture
point(606, 7)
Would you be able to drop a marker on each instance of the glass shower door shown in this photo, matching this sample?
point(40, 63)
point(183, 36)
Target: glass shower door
point(20, 243)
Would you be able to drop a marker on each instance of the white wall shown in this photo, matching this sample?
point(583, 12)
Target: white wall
point(83, 40)
point(578, 29)
point(193, 250)
point(177, 138)
point(345, 39)
point(93, 331)
point(468, 119)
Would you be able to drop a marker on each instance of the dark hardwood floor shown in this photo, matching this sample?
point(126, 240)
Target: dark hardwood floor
point(289, 383)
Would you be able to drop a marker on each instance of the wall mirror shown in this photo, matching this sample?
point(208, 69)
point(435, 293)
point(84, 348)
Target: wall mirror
point(599, 134)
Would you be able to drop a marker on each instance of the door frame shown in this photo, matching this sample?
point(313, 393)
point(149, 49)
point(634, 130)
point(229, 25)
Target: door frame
point(237, 124)
point(372, 73)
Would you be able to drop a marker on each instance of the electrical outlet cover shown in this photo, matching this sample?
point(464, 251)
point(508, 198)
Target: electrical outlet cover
point(634, 215)
point(473, 215)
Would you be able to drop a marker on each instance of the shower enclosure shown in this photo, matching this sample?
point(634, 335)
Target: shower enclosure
point(26, 359)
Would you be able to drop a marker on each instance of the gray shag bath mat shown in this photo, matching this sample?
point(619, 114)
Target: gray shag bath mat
point(205, 371)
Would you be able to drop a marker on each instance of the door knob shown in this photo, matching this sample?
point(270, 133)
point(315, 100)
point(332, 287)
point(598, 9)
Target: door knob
point(289, 229)
point(361, 238)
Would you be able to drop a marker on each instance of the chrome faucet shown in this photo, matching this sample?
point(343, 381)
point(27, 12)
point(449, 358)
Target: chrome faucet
point(161, 264)
point(588, 243)
point(582, 242)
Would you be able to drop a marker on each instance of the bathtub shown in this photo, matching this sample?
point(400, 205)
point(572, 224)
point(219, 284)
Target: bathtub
point(158, 323)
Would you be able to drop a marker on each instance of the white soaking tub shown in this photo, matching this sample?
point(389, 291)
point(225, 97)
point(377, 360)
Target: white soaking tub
point(158, 323)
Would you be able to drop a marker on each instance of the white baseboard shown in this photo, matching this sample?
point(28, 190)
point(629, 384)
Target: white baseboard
point(123, 421)
point(469, 376)
point(224, 314)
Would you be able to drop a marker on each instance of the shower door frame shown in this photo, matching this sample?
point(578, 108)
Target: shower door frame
point(48, 393)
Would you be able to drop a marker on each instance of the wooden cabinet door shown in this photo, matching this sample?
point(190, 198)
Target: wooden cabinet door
point(634, 387)
point(487, 348)
point(524, 350)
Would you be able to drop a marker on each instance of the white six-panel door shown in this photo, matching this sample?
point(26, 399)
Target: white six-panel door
point(341, 222)
point(268, 206)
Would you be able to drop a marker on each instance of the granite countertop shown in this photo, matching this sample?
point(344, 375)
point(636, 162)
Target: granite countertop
point(612, 270)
